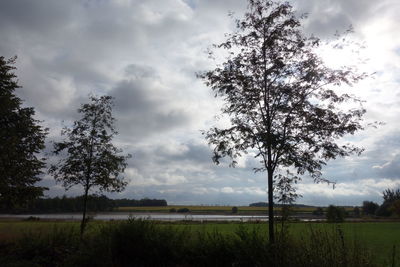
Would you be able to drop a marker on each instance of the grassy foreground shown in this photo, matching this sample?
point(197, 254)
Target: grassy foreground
point(143, 243)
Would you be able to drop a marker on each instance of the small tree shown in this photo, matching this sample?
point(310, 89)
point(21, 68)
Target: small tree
point(21, 139)
point(280, 98)
point(90, 159)
point(235, 210)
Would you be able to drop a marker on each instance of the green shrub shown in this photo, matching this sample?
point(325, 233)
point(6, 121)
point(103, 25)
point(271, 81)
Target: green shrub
point(318, 211)
point(335, 214)
point(369, 207)
point(235, 210)
point(183, 210)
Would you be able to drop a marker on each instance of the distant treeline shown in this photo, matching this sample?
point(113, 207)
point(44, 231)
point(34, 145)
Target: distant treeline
point(75, 204)
point(145, 202)
point(265, 204)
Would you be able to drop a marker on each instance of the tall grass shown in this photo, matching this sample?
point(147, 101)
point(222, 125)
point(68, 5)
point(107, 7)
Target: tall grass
point(147, 243)
point(49, 248)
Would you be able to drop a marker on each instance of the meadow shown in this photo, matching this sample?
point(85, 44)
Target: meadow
point(380, 241)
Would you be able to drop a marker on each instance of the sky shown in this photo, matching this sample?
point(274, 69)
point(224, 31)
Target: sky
point(146, 54)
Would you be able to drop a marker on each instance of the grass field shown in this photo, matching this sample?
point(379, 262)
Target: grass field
point(379, 238)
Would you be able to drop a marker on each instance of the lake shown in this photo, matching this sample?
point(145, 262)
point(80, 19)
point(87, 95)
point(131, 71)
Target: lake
point(148, 216)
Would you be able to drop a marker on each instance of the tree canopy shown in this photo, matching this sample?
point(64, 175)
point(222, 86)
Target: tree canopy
point(21, 141)
point(281, 98)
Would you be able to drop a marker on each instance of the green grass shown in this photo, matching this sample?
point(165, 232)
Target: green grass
point(11, 230)
point(378, 237)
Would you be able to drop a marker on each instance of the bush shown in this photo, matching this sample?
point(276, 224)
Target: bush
point(32, 218)
point(356, 212)
point(369, 207)
point(335, 214)
point(395, 207)
point(235, 210)
point(318, 211)
point(383, 210)
point(172, 210)
point(183, 210)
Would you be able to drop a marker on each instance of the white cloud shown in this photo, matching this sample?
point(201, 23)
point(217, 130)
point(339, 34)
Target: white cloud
point(227, 190)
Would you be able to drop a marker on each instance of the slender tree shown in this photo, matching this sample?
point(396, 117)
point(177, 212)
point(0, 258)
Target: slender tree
point(90, 159)
point(280, 98)
point(21, 139)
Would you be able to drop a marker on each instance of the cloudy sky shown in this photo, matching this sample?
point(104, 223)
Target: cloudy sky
point(146, 54)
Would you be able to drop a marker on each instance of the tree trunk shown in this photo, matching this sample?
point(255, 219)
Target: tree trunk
point(271, 208)
point(83, 222)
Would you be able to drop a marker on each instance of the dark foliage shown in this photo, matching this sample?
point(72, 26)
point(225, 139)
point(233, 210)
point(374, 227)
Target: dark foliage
point(391, 203)
point(356, 212)
point(318, 211)
point(280, 98)
point(259, 204)
point(235, 210)
point(183, 210)
point(145, 202)
point(369, 207)
point(71, 204)
point(90, 159)
point(383, 210)
point(335, 214)
point(21, 139)
point(391, 195)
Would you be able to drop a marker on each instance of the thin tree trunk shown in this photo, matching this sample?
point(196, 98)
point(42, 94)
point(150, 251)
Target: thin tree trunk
point(83, 222)
point(270, 208)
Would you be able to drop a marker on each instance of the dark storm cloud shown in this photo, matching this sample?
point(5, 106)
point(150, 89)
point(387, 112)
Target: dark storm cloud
point(172, 154)
point(143, 109)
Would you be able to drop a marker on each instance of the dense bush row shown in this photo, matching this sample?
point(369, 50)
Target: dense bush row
point(389, 207)
point(145, 243)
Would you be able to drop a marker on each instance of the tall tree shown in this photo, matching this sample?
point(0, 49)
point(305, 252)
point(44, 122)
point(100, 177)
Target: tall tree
point(280, 98)
point(21, 139)
point(90, 159)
